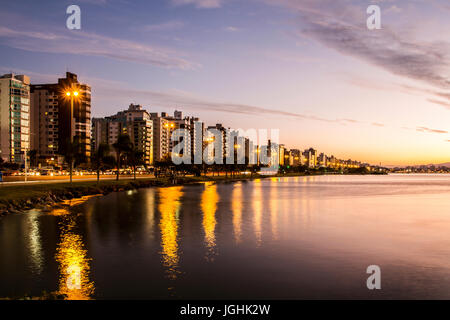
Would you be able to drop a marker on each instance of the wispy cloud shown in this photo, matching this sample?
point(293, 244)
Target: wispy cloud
point(407, 89)
point(425, 129)
point(189, 101)
point(92, 44)
point(342, 28)
point(96, 2)
point(231, 29)
point(439, 102)
point(202, 4)
point(169, 25)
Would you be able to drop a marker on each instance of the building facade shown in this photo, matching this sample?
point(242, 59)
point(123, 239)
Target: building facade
point(54, 122)
point(135, 121)
point(162, 129)
point(14, 117)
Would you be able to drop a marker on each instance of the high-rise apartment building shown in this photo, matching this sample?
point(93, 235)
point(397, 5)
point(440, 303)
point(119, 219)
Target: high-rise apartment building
point(282, 160)
point(311, 157)
point(295, 157)
point(14, 117)
point(135, 121)
point(162, 129)
point(222, 142)
point(53, 124)
point(322, 160)
point(194, 129)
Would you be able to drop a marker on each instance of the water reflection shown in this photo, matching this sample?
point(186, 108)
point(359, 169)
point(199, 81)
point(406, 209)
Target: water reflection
point(73, 262)
point(274, 200)
point(34, 241)
point(317, 236)
point(150, 211)
point(236, 205)
point(257, 208)
point(169, 206)
point(209, 201)
point(62, 210)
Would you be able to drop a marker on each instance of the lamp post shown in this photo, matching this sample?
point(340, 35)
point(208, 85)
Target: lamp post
point(72, 95)
point(26, 164)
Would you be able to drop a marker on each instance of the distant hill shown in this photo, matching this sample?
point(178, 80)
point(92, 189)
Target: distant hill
point(447, 164)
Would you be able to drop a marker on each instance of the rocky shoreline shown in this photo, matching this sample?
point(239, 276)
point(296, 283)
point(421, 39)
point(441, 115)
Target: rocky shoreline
point(55, 197)
point(52, 198)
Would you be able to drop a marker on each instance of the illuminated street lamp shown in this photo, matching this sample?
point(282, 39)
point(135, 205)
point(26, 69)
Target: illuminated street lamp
point(72, 95)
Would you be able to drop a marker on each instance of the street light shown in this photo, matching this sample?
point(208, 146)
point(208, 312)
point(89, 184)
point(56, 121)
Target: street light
point(72, 95)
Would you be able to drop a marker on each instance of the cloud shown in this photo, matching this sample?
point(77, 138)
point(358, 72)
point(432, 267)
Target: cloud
point(394, 9)
point(202, 4)
point(231, 29)
point(342, 28)
point(96, 2)
point(408, 89)
point(425, 129)
point(439, 102)
point(349, 121)
point(117, 91)
point(169, 25)
point(188, 101)
point(92, 44)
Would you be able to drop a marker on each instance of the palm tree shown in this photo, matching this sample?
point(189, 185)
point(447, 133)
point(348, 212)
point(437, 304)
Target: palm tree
point(100, 157)
point(136, 158)
point(33, 157)
point(163, 165)
point(71, 153)
point(123, 145)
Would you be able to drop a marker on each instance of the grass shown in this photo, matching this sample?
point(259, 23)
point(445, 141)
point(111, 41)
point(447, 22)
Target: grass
point(34, 190)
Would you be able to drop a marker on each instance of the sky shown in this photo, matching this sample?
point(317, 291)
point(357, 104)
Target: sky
point(310, 68)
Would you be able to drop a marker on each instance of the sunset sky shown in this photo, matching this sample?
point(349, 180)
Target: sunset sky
point(309, 68)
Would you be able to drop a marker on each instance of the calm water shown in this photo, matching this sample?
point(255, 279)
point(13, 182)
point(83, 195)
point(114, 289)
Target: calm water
point(291, 238)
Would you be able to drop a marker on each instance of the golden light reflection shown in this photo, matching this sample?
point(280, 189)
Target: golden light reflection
point(274, 208)
point(60, 211)
point(209, 201)
point(257, 210)
point(236, 205)
point(169, 206)
point(73, 264)
point(150, 211)
point(35, 242)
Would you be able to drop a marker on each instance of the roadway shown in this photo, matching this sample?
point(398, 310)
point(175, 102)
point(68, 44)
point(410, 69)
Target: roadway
point(20, 180)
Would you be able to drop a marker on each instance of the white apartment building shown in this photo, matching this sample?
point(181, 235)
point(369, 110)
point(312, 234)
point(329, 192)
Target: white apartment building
point(14, 117)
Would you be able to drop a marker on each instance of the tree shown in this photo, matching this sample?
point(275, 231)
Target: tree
point(163, 165)
point(122, 146)
point(33, 157)
point(100, 157)
point(72, 154)
point(135, 158)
